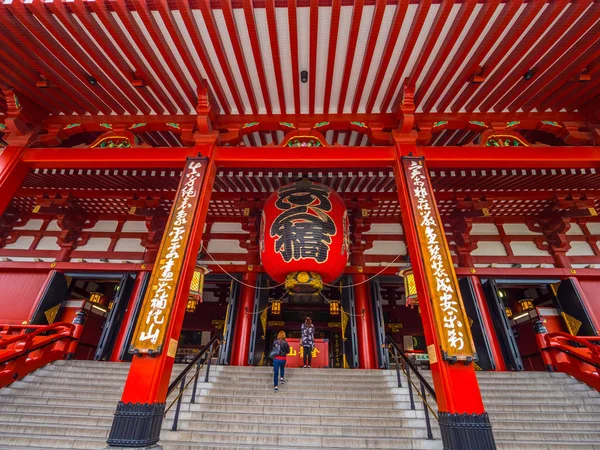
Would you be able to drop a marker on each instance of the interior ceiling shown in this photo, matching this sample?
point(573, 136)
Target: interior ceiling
point(251, 54)
point(513, 192)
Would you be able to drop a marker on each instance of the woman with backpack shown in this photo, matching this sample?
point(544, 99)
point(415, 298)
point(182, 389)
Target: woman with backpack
point(308, 340)
point(279, 354)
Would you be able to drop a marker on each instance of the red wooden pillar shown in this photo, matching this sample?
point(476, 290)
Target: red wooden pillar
point(488, 325)
point(365, 327)
point(463, 421)
point(128, 316)
point(140, 412)
point(243, 325)
point(12, 173)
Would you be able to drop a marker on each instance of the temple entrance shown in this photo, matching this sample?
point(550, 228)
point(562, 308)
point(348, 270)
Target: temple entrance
point(515, 305)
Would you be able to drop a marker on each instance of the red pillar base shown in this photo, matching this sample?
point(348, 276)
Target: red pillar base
point(466, 431)
point(136, 424)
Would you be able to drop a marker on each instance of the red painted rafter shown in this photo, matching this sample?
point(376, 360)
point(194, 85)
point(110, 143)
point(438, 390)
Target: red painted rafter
point(333, 37)
point(573, 61)
point(369, 51)
point(66, 19)
point(294, 53)
point(165, 52)
point(397, 22)
point(239, 54)
point(106, 18)
point(192, 29)
point(255, 45)
point(407, 49)
point(213, 33)
point(521, 24)
point(136, 34)
point(53, 50)
point(458, 25)
point(432, 37)
point(274, 40)
point(350, 51)
point(478, 27)
point(313, 49)
point(19, 82)
point(54, 72)
point(514, 83)
point(108, 86)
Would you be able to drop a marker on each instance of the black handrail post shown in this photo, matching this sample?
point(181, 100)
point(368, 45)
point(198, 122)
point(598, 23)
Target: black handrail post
point(410, 391)
point(198, 364)
point(176, 418)
point(427, 422)
point(397, 367)
point(210, 355)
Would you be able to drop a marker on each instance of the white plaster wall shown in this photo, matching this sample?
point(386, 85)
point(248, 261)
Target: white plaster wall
point(518, 229)
point(226, 227)
point(575, 230)
point(48, 243)
point(594, 228)
point(23, 243)
point(387, 248)
point(489, 249)
point(527, 249)
point(134, 226)
point(105, 225)
point(385, 228)
point(96, 245)
point(31, 225)
point(580, 249)
point(489, 229)
point(53, 226)
point(225, 246)
point(129, 245)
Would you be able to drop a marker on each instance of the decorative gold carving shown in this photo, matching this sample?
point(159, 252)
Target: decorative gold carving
point(573, 325)
point(51, 313)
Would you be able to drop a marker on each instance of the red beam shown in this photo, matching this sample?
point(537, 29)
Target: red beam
point(79, 158)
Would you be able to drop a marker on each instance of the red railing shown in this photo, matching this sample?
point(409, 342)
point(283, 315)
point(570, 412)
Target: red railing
point(576, 356)
point(25, 348)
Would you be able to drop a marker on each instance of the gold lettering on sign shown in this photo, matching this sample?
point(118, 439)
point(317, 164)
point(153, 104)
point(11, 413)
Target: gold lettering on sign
point(448, 310)
point(156, 311)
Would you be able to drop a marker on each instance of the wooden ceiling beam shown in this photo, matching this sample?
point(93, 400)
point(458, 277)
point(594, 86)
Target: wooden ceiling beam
point(256, 53)
point(239, 53)
point(369, 52)
point(472, 65)
point(407, 49)
point(334, 26)
point(352, 38)
point(509, 87)
point(275, 52)
point(107, 87)
point(141, 42)
point(493, 62)
point(295, 55)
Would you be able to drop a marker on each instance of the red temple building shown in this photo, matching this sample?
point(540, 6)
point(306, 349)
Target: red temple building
point(180, 180)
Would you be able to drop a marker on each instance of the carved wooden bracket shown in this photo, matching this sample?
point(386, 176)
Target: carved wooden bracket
point(11, 219)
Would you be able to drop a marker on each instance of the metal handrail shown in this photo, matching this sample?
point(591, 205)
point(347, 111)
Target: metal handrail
point(422, 390)
point(203, 357)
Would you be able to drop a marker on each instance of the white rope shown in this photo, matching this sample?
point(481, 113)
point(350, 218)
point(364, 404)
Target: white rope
point(368, 279)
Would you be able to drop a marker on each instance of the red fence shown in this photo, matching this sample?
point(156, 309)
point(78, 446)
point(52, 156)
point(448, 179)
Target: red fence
point(25, 348)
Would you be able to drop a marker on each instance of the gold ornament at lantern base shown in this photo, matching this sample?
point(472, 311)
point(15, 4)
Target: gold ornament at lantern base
point(303, 283)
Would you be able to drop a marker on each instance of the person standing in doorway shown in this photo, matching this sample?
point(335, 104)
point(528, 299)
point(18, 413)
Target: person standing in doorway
point(308, 341)
point(279, 354)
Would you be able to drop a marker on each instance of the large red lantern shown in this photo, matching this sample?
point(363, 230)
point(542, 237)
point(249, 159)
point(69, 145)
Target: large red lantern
point(304, 237)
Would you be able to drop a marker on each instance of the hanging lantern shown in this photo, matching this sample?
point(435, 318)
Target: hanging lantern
point(508, 311)
point(191, 304)
point(526, 304)
point(95, 297)
point(334, 307)
point(276, 307)
point(410, 287)
point(197, 284)
point(304, 237)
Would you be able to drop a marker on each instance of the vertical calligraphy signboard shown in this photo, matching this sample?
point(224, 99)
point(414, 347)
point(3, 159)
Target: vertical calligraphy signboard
point(451, 321)
point(157, 307)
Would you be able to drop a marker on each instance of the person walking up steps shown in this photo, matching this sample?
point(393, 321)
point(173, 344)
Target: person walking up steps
point(279, 354)
point(308, 340)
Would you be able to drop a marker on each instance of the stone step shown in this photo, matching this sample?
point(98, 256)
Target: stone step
point(64, 419)
point(550, 416)
point(543, 425)
point(548, 436)
point(96, 410)
point(502, 444)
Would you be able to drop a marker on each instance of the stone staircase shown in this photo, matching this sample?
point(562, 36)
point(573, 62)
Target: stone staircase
point(70, 405)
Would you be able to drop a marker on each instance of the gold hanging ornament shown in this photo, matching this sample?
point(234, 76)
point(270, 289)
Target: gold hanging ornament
point(334, 307)
point(276, 307)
